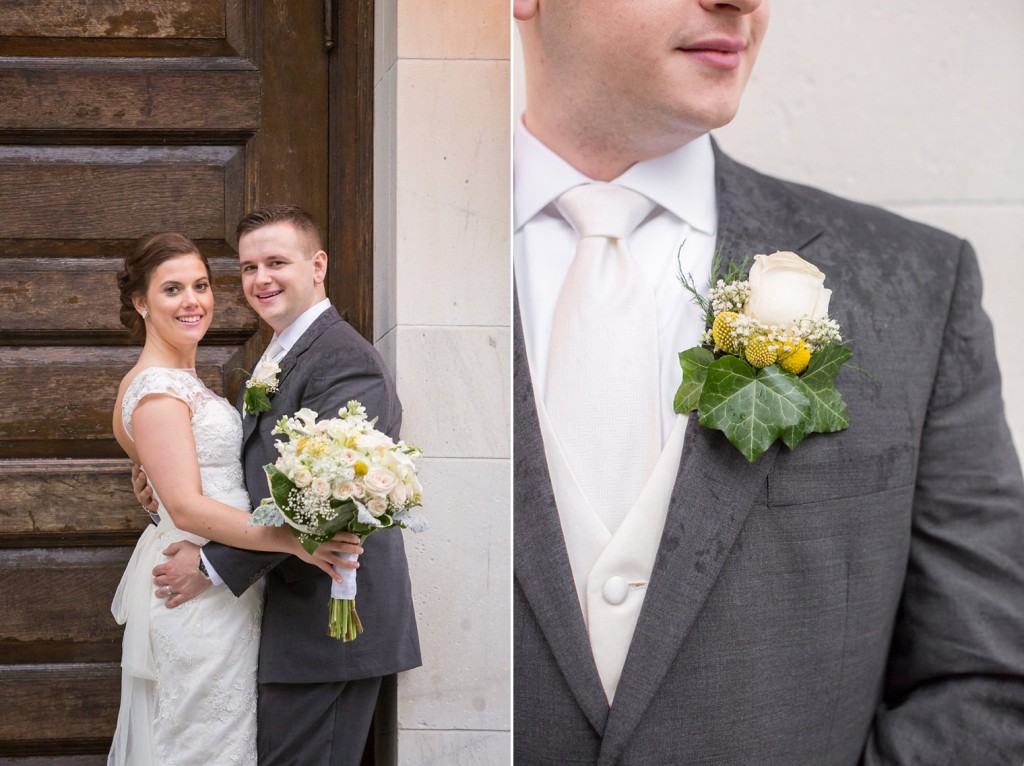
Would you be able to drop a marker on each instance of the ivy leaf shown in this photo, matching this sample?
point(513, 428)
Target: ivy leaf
point(695, 362)
point(751, 407)
point(828, 412)
point(256, 400)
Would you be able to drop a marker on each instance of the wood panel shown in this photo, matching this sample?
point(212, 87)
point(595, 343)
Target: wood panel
point(88, 304)
point(87, 501)
point(50, 595)
point(123, 28)
point(41, 96)
point(53, 192)
point(45, 704)
point(112, 18)
point(56, 402)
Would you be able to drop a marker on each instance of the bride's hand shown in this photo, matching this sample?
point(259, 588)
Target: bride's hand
point(326, 554)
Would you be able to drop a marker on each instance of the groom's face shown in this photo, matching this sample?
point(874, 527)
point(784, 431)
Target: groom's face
point(282, 273)
point(655, 67)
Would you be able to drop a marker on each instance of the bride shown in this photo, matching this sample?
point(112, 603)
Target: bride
point(188, 683)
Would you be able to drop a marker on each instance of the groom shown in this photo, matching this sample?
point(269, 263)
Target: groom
point(859, 599)
point(316, 694)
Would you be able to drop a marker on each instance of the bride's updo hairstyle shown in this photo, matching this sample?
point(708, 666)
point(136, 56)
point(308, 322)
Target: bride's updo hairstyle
point(147, 254)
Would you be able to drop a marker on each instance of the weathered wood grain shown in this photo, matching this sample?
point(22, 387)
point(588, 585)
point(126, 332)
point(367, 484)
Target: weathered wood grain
point(118, 99)
point(66, 499)
point(116, 192)
point(73, 298)
point(57, 401)
point(58, 702)
point(59, 595)
point(113, 18)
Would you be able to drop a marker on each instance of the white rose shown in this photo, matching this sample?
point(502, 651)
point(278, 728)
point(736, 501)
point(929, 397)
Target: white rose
point(320, 487)
point(377, 506)
point(785, 288)
point(379, 481)
point(302, 478)
point(398, 494)
point(265, 374)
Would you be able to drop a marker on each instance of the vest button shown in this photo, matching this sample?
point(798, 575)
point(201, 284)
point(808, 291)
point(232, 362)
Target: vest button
point(615, 590)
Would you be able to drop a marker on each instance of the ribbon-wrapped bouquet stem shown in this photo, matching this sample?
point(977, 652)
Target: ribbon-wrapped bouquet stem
point(340, 475)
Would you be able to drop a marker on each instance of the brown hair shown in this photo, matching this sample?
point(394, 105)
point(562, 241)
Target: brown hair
point(293, 214)
point(147, 254)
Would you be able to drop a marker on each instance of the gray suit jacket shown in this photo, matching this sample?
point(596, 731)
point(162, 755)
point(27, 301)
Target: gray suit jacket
point(857, 600)
point(329, 365)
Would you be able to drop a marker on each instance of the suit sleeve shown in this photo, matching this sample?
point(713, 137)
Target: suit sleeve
point(343, 372)
point(954, 691)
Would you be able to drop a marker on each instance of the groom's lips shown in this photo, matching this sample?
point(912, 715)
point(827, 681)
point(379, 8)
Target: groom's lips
point(718, 52)
point(266, 296)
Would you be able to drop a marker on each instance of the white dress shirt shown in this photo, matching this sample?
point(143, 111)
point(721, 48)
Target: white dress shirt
point(682, 183)
point(287, 339)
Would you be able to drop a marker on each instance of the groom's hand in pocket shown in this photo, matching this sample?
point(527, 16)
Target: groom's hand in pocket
point(178, 579)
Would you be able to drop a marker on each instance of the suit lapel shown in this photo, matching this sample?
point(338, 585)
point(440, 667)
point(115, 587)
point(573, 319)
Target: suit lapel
point(541, 562)
point(716, 486)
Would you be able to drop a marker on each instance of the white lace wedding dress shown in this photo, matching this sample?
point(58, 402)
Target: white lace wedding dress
point(188, 674)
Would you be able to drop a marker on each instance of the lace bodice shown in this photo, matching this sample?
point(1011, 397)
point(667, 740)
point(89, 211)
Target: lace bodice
point(216, 426)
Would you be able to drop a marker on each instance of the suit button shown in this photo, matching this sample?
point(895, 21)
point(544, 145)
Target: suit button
point(615, 590)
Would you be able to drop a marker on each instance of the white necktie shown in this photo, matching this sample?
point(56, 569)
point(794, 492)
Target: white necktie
point(602, 381)
point(274, 351)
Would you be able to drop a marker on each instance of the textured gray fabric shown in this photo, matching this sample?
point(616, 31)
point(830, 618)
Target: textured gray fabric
point(857, 600)
point(315, 724)
point(329, 365)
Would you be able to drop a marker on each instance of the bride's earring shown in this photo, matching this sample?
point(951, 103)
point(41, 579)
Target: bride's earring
point(144, 313)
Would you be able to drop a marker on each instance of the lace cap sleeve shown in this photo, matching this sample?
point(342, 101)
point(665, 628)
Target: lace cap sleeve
point(181, 384)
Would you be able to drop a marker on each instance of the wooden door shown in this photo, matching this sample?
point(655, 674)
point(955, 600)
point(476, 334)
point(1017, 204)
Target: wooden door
point(119, 118)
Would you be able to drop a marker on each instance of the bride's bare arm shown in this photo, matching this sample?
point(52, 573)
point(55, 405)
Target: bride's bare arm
point(163, 437)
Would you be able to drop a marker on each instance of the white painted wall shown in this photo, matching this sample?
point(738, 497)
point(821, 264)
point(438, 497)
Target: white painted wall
point(441, 319)
point(917, 107)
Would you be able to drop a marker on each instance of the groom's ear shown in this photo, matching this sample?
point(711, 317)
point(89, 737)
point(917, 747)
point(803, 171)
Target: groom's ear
point(319, 267)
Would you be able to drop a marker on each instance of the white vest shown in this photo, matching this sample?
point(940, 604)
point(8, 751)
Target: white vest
point(612, 571)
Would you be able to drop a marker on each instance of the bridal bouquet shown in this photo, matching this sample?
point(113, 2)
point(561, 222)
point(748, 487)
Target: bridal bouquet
point(340, 475)
point(767, 364)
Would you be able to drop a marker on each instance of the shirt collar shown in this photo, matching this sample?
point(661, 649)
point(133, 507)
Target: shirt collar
point(295, 330)
point(682, 181)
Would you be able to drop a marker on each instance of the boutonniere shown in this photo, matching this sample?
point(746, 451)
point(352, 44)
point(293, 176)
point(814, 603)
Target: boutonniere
point(766, 366)
point(260, 386)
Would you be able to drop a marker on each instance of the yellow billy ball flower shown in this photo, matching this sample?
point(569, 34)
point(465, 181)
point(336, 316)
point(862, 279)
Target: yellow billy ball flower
point(796, 361)
point(721, 331)
point(361, 468)
point(761, 352)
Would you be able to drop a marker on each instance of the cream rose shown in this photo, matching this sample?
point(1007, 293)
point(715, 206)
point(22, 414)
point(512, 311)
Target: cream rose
point(302, 477)
point(344, 490)
point(379, 481)
point(320, 487)
point(377, 507)
point(785, 288)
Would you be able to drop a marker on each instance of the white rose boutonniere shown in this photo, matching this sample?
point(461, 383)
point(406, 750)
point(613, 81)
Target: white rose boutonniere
point(766, 367)
point(262, 384)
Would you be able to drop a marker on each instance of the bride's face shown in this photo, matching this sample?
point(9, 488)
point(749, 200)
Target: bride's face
point(179, 300)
